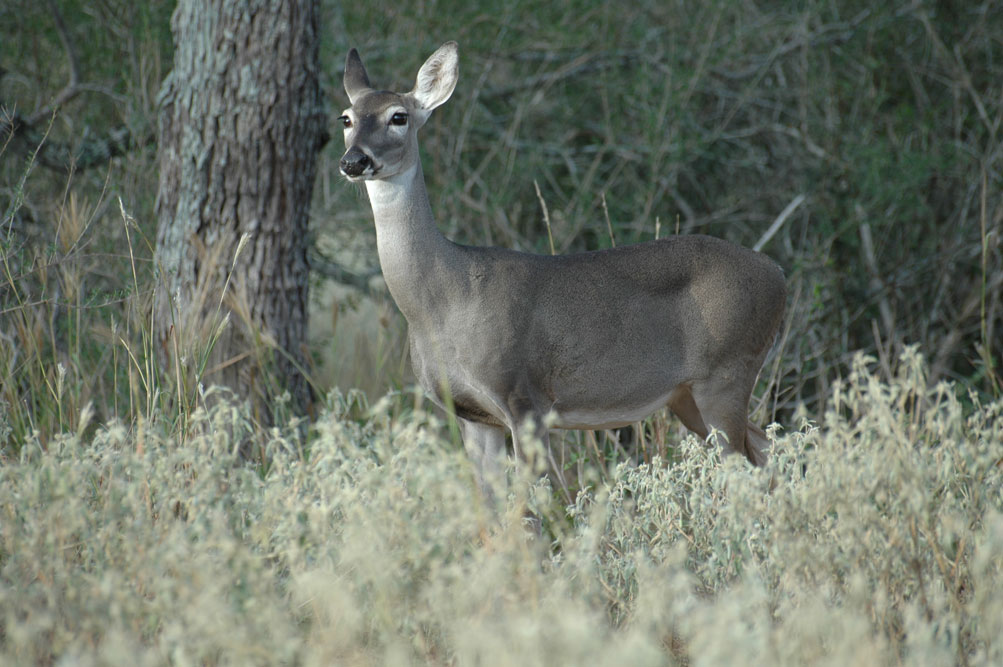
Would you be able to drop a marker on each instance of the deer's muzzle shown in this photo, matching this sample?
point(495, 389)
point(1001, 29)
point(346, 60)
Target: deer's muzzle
point(355, 162)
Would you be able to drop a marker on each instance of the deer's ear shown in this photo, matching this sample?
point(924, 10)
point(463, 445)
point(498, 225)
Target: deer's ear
point(356, 80)
point(437, 78)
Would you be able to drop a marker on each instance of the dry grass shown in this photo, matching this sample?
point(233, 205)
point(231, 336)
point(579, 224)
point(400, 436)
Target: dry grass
point(364, 543)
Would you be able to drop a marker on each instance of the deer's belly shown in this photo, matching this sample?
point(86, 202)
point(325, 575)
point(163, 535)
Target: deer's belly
point(602, 416)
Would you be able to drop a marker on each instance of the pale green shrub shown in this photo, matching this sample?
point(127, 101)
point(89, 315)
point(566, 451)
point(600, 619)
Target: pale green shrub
point(874, 545)
point(874, 538)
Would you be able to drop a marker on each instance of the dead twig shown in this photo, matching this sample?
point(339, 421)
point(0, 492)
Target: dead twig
point(63, 157)
point(339, 274)
point(779, 222)
point(877, 284)
point(582, 64)
point(546, 216)
point(73, 87)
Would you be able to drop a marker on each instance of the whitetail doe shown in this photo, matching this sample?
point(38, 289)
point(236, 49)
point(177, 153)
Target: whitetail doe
point(594, 340)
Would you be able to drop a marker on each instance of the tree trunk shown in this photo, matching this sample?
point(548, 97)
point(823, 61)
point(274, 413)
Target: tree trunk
point(241, 122)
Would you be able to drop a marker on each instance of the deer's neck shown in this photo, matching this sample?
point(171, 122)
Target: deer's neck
point(414, 255)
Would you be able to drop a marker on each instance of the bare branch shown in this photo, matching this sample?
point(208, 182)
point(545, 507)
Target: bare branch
point(63, 157)
point(583, 64)
point(778, 223)
point(339, 274)
point(73, 87)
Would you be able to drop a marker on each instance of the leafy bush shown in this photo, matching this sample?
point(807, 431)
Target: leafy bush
point(874, 537)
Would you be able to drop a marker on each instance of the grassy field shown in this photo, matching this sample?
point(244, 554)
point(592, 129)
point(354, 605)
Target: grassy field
point(875, 537)
point(866, 138)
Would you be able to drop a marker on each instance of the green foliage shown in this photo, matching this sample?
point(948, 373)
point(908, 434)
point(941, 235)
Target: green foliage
point(706, 117)
point(874, 537)
point(118, 48)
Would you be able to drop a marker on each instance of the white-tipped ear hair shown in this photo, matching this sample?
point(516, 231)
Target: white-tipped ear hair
point(356, 80)
point(437, 77)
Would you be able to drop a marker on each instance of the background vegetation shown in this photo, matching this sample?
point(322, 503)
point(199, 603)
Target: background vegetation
point(870, 134)
point(858, 144)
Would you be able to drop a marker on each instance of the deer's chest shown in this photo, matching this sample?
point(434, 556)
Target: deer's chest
point(460, 376)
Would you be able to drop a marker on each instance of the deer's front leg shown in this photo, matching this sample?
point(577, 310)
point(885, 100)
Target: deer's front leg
point(485, 445)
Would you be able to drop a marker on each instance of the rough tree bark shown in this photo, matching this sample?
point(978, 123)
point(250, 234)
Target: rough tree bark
point(241, 123)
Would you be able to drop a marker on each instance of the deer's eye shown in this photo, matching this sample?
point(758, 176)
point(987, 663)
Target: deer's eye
point(399, 118)
point(345, 121)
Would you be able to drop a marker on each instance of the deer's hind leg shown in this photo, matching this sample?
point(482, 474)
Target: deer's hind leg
point(722, 405)
point(683, 406)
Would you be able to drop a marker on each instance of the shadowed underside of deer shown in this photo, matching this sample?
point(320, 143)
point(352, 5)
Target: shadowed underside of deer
point(595, 340)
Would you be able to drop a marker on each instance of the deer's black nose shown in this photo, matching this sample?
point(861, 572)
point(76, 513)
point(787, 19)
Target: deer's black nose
point(354, 162)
